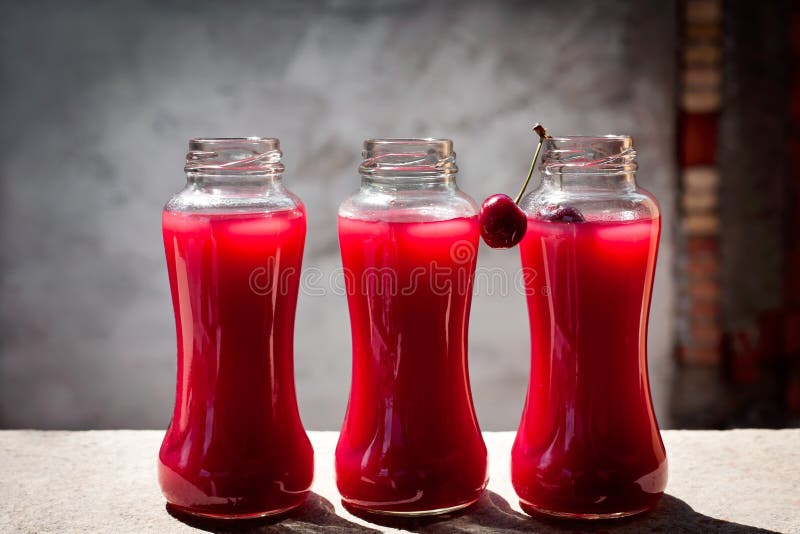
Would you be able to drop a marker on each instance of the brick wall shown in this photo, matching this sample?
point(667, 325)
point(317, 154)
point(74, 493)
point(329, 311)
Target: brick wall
point(700, 332)
point(738, 343)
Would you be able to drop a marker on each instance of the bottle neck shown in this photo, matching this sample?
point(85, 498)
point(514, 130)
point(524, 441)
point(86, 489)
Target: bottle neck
point(409, 182)
point(408, 165)
point(232, 180)
point(245, 162)
point(582, 164)
point(589, 182)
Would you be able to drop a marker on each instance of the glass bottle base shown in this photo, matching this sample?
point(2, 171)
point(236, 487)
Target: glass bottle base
point(532, 509)
point(232, 517)
point(360, 508)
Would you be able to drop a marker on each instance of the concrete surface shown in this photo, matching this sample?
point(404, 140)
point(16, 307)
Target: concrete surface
point(98, 100)
point(739, 481)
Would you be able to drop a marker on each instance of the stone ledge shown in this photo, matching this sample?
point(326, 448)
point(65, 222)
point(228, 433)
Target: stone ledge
point(723, 481)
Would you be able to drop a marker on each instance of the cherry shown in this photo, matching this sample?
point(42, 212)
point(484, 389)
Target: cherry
point(502, 222)
point(564, 214)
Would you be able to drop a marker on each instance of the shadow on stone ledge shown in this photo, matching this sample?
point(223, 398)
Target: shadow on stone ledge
point(316, 515)
point(491, 513)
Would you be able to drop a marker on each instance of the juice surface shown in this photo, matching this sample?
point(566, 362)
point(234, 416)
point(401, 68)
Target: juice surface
point(235, 446)
point(588, 443)
point(410, 440)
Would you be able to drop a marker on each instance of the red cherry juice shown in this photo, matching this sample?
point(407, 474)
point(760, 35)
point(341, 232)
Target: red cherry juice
point(236, 446)
point(410, 443)
point(588, 444)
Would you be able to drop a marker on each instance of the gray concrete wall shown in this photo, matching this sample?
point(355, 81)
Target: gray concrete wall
point(98, 100)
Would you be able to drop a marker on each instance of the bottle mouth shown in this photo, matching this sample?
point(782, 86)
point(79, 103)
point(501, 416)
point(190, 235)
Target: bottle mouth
point(411, 157)
point(234, 155)
point(584, 154)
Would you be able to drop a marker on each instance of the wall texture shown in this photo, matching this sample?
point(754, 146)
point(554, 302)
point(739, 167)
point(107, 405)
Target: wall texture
point(99, 99)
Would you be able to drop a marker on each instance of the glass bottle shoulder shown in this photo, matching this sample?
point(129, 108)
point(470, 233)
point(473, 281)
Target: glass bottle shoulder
point(227, 199)
point(417, 205)
point(627, 205)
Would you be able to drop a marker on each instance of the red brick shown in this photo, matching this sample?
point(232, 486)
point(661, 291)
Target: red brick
point(702, 266)
point(698, 254)
point(702, 77)
point(703, 32)
point(696, 54)
point(697, 142)
point(706, 307)
point(700, 179)
point(703, 11)
point(702, 244)
point(707, 356)
point(700, 99)
point(699, 202)
point(704, 310)
point(704, 290)
point(701, 225)
point(705, 335)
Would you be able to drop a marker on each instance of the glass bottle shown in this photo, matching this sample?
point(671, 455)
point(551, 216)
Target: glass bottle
point(410, 443)
point(233, 238)
point(588, 445)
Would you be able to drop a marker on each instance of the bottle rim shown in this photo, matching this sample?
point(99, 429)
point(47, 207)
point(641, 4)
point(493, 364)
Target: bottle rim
point(408, 157)
point(589, 154)
point(602, 137)
point(234, 155)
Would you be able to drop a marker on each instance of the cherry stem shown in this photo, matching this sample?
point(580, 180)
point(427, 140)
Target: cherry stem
point(542, 133)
